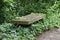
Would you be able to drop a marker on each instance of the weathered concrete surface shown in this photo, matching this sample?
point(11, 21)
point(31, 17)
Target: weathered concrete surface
point(28, 19)
point(50, 35)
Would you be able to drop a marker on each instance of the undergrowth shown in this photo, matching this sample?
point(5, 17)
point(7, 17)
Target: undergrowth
point(12, 9)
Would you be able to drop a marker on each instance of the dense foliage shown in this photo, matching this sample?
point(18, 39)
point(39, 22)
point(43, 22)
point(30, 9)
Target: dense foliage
point(12, 8)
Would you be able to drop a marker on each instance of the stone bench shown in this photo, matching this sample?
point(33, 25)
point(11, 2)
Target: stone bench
point(28, 19)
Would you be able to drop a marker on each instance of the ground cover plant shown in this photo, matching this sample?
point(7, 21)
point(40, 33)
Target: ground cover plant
point(13, 8)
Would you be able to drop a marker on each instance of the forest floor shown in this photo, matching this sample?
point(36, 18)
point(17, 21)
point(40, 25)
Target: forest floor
point(50, 35)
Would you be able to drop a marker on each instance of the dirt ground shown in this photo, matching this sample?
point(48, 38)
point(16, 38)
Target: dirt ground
point(50, 35)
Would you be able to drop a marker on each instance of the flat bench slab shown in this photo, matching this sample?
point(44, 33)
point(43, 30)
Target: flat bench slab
point(28, 19)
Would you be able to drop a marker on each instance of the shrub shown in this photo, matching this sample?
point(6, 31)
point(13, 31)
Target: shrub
point(10, 32)
point(14, 8)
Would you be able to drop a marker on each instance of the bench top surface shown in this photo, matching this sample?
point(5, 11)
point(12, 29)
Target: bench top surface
point(29, 18)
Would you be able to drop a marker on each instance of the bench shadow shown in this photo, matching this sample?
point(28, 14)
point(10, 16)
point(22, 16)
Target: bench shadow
point(23, 26)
